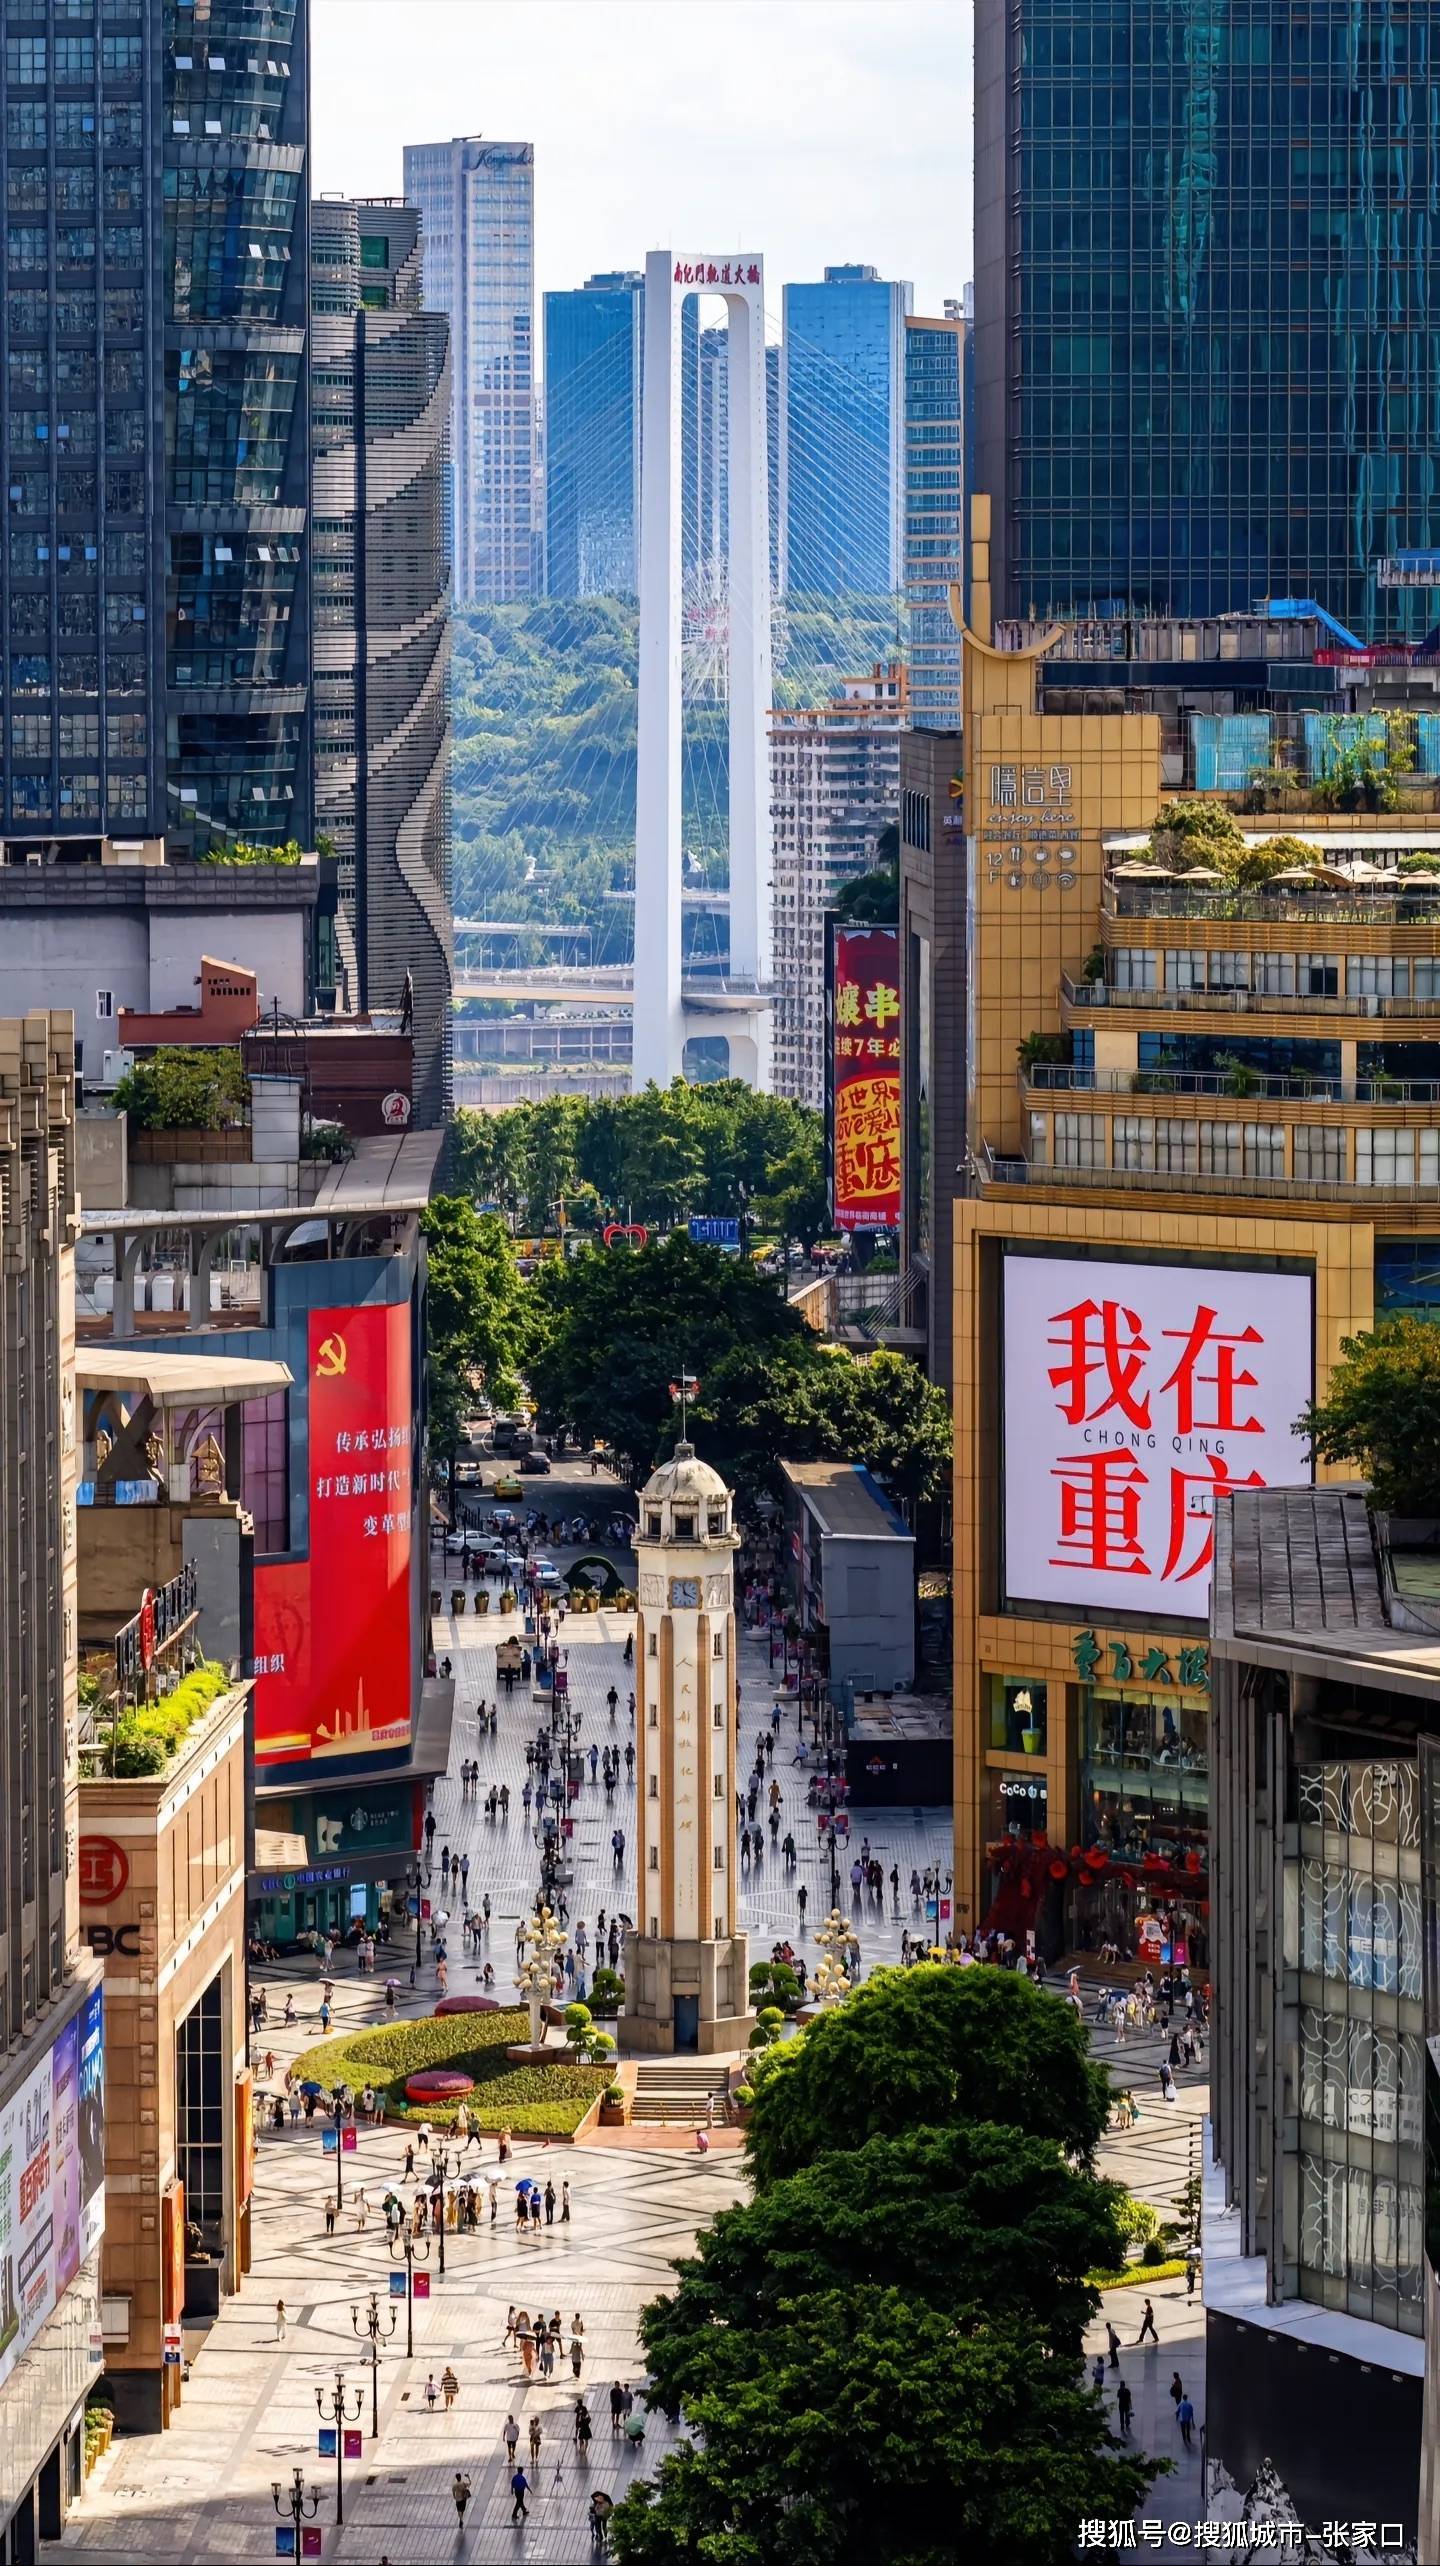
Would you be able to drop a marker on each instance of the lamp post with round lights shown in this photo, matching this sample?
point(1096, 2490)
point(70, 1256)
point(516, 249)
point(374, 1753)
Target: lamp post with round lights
point(300, 2501)
point(405, 2247)
point(376, 2334)
point(535, 1976)
point(339, 2412)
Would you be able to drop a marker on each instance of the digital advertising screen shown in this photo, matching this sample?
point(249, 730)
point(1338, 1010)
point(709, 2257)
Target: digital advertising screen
point(334, 1659)
point(862, 1076)
point(1135, 1394)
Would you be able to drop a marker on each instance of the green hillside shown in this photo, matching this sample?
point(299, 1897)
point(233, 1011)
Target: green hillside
point(544, 767)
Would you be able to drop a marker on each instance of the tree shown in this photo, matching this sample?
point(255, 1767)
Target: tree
point(473, 1315)
point(184, 1088)
point(795, 1199)
point(980, 2220)
point(608, 1332)
point(930, 2045)
point(898, 1424)
point(1381, 1412)
point(1196, 830)
point(867, 2423)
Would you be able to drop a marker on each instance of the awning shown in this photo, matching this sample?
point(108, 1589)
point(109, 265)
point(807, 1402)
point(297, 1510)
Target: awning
point(179, 1380)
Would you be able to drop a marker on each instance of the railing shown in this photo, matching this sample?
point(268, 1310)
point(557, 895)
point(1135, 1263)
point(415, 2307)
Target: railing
point(875, 1303)
point(1324, 906)
point(995, 1170)
point(1239, 1002)
point(1060, 1077)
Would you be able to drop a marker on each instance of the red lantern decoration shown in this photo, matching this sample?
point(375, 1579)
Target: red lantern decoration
point(1192, 1862)
point(1059, 1870)
point(1077, 1853)
point(1097, 1857)
point(1087, 1878)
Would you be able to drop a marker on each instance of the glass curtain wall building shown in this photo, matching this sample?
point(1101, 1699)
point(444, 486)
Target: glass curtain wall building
point(156, 595)
point(235, 264)
point(1206, 364)
point(933, 550)
point(593, 340)
point(476, 201)
point(843, 399)
point(381, 424)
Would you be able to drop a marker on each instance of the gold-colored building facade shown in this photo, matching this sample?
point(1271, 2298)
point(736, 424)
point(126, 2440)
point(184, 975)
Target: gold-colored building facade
point(1097, 1154)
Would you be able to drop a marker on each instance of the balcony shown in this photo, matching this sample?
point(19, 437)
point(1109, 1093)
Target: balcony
point(1062, 1078)
point(995, 1170)
point(1092, 994)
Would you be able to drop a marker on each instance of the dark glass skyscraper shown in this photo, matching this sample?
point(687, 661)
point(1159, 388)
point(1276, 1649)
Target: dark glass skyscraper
point(593, 340)
point(154, 435)
point(843, 400)
point(1207, 358)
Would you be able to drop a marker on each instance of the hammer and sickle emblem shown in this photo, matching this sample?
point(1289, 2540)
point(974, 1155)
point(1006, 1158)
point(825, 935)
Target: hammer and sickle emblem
point(332, 1358)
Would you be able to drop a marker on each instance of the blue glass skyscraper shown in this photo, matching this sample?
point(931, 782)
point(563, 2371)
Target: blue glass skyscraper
point(592, 437)
point(1207, 361)
point(843, 372)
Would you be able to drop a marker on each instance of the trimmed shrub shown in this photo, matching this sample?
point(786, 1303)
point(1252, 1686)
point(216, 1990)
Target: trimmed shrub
point(538, 2101)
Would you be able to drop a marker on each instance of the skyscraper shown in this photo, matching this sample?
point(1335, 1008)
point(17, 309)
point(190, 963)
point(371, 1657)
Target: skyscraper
point(843, 397)
point(592, 436)
point(381, 415)
point(234, 286)
point(476, 201)
point(1206, 366)
point(933, 553)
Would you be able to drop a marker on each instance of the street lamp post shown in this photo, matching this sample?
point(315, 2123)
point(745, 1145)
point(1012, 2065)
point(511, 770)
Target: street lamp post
point(411, 2258)
point(440, 2172)
point(339, 2413)
point(377, 2334)
point(831, 1980)
point(535, 1977)
point(296, 2499)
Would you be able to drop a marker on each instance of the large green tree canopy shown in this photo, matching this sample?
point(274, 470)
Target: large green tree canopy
point(933, 2045)
point(610, 1330)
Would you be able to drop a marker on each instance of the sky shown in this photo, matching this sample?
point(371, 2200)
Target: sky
point(812, 131)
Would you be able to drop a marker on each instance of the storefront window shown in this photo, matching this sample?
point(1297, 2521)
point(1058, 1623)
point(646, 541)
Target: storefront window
point(1017, 1706)
point(1144, 1814)
point(1019, 1805)
point(1354, 1932)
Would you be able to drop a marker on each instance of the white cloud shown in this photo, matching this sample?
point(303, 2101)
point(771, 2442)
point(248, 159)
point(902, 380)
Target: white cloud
point(813, 131)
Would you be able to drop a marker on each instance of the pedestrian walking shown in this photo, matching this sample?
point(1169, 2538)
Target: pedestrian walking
point(510, 2435)
point(1124, 2407)
point(617, 2410)
point(432, 2393)
point(449, 2386)
point(1147, 2325)
point(549, 2204)
point(601, 2508)
point(1113, 2339)
point(330, 2214)
point(1097, 2371)
point(565, 2202)
point(281, 2321)
point(1185, 2417)
point(460, 2490)
point(1177, 2392)
point(537, 2434)
point(519, 2488)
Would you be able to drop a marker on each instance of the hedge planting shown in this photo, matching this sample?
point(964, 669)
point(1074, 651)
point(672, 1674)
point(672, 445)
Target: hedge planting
point(146, 1739)
point(533, 2101)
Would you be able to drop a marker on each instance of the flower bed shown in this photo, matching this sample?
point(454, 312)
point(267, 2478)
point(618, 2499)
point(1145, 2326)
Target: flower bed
point(533, 2101)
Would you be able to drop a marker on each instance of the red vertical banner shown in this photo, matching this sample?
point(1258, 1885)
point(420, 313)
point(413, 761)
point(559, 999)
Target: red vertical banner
point(863, 1076)
point(333, 1652)
point(244, 2136)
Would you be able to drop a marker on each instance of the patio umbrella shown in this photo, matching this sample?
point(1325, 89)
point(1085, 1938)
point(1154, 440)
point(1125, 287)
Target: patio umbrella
point(312, 2085)
point(1199, 873)
point(1142, 873)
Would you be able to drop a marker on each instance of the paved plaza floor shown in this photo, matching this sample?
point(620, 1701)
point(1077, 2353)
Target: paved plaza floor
point(201, 2492)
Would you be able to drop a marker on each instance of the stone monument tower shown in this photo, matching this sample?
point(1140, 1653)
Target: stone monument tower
point(686, 1965)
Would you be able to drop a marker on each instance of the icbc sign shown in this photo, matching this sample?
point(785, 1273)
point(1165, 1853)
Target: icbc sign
point(104, 1870)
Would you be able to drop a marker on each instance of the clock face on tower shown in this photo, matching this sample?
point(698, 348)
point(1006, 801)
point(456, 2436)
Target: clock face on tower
point(684, 1594)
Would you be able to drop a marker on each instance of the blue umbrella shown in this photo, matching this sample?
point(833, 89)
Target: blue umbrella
point(312, 2085)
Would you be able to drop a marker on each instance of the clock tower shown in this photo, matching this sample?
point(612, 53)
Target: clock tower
point(686, 1963)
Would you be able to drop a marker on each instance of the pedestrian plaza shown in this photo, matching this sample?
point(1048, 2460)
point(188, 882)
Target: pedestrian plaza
point(202, 2491)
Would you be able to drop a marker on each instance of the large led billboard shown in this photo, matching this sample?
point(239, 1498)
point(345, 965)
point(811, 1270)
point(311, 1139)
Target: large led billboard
point(334, 1659)
point(862, 1076)
point(52, 2174)
point(1135, 1394)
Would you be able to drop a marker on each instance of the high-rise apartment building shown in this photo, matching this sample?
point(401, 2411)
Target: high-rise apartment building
point(52, 2115)
point(1205, 366)
point(156, 596)
point(476, 201)
point(380, 424)
point(593, 353)
point(933, 548)
point(834, 785)
point(843, 394)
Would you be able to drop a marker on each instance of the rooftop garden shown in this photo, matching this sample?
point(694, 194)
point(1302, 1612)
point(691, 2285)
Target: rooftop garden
point(538, 2102)
point(185, 1088)
point(245, 851)
point(131, 1743)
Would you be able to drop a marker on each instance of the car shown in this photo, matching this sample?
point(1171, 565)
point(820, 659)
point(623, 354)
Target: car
point(502, 1519)
point(534, 1465)
point(507, 1485)
point(552, 1583)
